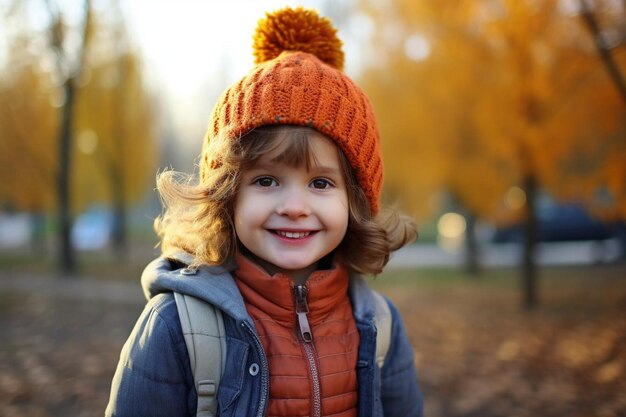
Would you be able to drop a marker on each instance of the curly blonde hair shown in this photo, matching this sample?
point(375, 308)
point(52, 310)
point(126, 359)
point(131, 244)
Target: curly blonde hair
point(198, 214)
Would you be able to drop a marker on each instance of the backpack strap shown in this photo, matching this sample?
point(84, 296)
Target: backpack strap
point(205, 337)
point(382, 319)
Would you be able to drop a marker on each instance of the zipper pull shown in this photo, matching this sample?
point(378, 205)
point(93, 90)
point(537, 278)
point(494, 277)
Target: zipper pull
point(302, 309)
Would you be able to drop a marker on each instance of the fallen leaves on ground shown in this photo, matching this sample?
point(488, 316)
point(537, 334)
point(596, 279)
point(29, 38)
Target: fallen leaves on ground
point(477, 353)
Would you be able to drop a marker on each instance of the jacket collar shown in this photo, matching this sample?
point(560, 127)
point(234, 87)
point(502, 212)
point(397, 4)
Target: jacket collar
point(216, 285)
point(274, 294)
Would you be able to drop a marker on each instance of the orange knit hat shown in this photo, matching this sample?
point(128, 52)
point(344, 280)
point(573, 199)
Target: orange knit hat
point(298, 80)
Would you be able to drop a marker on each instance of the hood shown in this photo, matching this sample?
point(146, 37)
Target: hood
point(216, 285)
point(213, 284)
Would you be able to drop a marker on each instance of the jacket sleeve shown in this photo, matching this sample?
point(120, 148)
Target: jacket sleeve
point(400, 391)
point(153, 377)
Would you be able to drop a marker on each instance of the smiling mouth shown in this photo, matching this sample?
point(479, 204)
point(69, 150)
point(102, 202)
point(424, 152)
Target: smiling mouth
point(292, 235)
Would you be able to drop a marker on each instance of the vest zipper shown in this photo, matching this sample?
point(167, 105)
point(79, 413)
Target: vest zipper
point(302, 308)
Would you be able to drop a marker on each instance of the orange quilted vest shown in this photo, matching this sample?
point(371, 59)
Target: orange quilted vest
point(312, 355)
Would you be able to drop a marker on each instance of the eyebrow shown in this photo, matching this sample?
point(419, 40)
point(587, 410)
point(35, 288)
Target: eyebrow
point(321, 169)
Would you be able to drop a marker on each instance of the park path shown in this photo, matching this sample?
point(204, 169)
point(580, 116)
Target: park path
point(508, 254)
point(83, 288)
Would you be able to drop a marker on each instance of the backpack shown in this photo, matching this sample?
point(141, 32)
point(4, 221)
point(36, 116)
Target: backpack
point(203, 330)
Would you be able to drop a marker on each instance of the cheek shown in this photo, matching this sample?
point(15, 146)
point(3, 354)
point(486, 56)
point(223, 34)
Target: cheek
point(346, 221)
point(247, 211)
point(239, 212)
point(340, 218)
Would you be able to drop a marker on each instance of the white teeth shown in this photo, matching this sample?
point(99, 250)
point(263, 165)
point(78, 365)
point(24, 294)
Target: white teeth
point(292, 235)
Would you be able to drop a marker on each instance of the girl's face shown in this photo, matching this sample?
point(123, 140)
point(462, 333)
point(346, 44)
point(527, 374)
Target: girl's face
point(291, 217)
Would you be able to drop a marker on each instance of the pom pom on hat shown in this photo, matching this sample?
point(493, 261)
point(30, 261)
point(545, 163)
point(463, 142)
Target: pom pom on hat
point(297, 30)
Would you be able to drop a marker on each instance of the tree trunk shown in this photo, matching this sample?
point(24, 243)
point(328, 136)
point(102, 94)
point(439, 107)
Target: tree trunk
point(116, 167)
point(119, 235)
point(67, 261)
point(531, 226)
point(471, 246)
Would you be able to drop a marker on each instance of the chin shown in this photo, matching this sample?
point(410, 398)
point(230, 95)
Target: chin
point(296, 265)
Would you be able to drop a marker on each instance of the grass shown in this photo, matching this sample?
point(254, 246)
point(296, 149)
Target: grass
point(501, 277)
point(560, 290)
point(104, 264)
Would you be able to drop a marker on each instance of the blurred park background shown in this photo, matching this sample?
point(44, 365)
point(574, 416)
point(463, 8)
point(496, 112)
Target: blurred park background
point(504, 135)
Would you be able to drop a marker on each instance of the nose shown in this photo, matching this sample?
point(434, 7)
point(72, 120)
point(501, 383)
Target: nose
point(293, 203)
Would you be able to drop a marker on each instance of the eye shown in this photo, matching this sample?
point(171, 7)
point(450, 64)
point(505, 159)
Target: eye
point(321, 184)
point(265, 182)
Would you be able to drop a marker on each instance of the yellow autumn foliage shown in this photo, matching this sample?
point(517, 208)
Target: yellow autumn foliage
point(505, 90)
point(113, 152)
point(28, 122)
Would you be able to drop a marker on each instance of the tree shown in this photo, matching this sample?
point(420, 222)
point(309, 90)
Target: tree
point(122, 129)
point(120, 138)
point(112, 153)
point(507, 95)
point(27, 125)
point(69, 71)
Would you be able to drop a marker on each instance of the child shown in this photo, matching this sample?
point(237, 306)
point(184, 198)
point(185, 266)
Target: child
point(283, 218)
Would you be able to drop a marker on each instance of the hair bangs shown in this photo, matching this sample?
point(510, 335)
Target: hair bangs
point(288, 145)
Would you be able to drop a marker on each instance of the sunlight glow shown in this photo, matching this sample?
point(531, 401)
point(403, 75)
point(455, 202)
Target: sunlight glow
point(515, 198)
point(451, 225)
point(451, 231)
point(87, 142)
point(417, 48)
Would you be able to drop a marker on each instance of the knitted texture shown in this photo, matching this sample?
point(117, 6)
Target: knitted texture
point(302, 85)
